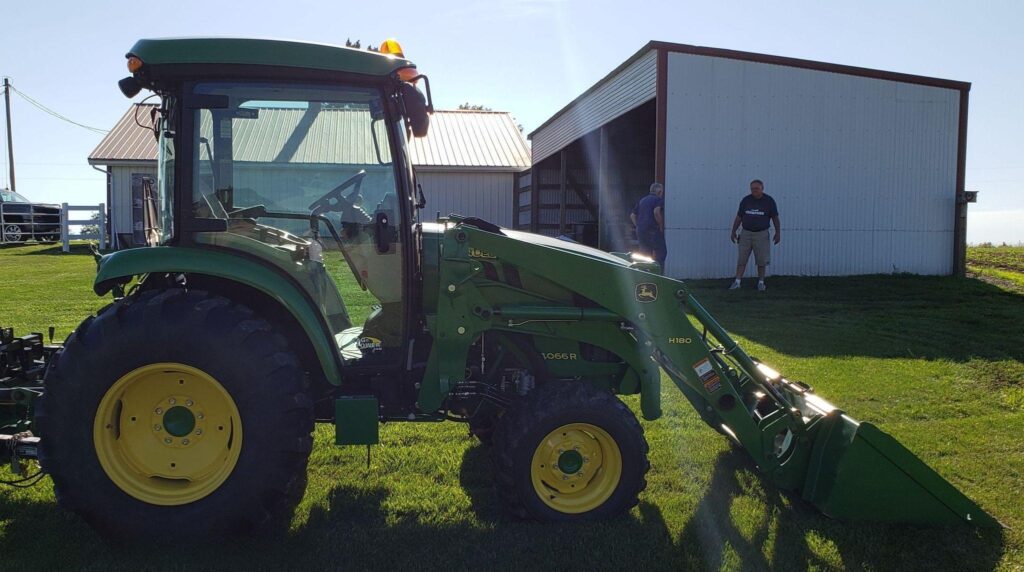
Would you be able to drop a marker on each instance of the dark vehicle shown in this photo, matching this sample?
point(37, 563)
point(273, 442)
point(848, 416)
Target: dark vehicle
point(22, 220)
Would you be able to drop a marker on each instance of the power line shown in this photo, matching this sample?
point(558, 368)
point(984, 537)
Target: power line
point(55, 114)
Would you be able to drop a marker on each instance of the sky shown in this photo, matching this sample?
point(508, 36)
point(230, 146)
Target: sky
point(528, 57)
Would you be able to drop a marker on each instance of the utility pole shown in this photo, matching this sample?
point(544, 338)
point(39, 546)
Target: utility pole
point(10, 141)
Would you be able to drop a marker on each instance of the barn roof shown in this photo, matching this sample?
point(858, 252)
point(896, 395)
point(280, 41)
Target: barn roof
point(481, 140)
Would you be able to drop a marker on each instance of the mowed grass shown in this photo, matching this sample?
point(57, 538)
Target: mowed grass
point(937, 362)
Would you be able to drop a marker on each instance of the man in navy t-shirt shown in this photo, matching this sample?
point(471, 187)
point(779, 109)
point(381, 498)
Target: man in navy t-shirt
point(648, 217)
point(756, 210)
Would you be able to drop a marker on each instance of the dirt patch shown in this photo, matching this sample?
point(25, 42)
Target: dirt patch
point(1000, 282)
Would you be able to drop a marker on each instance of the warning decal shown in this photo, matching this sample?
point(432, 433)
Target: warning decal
point(707, 375)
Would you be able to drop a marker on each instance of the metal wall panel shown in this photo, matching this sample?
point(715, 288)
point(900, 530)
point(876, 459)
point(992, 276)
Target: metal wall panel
point(628, 89)
point(121, 197)
point(480, 194)
point(863, 170)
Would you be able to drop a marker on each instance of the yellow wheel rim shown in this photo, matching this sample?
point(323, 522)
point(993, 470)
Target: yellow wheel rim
point(167, 434)
point(576, 468)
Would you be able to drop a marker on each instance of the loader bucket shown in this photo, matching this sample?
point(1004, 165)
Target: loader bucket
point(859, 473)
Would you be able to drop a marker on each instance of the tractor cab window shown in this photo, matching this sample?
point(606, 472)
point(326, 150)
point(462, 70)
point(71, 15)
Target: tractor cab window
point(304, 177)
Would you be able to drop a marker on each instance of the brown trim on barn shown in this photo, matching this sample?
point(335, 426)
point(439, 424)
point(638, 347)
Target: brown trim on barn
point(661, 117)
point(810, 64)
point(960, 208)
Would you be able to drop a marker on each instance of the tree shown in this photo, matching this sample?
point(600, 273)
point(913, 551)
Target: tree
point(471, 107)
point(356, 44)
point(92, 228)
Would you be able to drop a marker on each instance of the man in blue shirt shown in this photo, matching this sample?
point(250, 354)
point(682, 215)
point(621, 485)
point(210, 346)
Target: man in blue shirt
point(756, 209)
point(648, 217)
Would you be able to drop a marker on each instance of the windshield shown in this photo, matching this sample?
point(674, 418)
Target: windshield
point(285, 147)
point(8, 196)
point(297, 169)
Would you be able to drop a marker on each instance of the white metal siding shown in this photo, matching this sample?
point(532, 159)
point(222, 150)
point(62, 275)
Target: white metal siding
point(485, 195)
point(121, 197)
point(625, 91)
point(863, 170)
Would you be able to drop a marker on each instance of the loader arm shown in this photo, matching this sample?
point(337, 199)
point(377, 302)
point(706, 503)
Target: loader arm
point(798, 440)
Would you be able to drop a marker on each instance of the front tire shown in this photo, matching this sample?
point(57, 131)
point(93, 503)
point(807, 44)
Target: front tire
point(176, 414)
point(570, 451)
point(12, 233)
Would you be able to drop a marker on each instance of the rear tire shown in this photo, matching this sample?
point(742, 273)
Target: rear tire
point(569, 451)
point(105, 431)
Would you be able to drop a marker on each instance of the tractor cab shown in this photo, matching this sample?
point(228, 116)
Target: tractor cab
point(294, 155)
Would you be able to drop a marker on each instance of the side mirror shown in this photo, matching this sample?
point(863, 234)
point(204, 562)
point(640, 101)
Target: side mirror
point(416, 112)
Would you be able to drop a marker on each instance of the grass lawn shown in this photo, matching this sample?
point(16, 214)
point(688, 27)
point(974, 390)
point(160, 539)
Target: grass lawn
point(1003, 265)
point(937, 362)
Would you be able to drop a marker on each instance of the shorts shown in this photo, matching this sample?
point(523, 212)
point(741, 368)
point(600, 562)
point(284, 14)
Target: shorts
point(757, 241)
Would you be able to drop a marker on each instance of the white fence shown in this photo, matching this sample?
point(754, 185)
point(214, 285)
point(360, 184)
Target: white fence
point(100, 223)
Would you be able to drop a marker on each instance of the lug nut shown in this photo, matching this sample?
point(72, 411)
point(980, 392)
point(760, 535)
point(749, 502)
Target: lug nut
point(156, 428)
point(199, 415)
point(199, 432)
point(171, 401)
point(189, 403)
point(159, 411)
point(565, 477)
point(167, 440)
point(184, 441)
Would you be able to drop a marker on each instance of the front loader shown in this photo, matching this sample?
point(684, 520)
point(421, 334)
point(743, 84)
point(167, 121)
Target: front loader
point(284, 180)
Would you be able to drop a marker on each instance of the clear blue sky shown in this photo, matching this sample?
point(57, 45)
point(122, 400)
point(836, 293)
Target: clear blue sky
point(529, 57)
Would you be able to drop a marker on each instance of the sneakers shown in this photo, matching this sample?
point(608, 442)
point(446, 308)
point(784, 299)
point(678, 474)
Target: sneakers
point(760, 285)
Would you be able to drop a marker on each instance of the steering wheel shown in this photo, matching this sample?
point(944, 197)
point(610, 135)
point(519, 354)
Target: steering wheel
point(334, 201)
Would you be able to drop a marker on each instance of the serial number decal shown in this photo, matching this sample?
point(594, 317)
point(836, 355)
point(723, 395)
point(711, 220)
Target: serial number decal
point(559, 355)
point(680, 341)
point(477, 253)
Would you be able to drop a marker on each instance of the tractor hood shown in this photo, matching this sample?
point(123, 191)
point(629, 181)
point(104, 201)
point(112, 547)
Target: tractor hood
point(622, 259)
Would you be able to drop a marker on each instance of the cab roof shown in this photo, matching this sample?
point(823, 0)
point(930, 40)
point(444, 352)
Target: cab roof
point(265, 52)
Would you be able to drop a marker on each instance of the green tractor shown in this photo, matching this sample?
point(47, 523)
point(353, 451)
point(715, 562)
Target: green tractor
point(188, 403)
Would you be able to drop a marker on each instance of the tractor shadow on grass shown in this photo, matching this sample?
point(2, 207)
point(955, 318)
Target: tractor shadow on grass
point(743, 521)
point(48, 249)
point(886, 316)
point(740, 522)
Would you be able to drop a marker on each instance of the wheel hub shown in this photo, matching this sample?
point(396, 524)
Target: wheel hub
point(179, 421)
point(570, 462)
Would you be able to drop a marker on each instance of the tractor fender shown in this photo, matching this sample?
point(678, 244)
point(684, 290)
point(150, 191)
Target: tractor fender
point(121, 265)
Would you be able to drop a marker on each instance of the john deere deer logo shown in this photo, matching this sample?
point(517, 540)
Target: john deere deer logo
point(646, 292)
